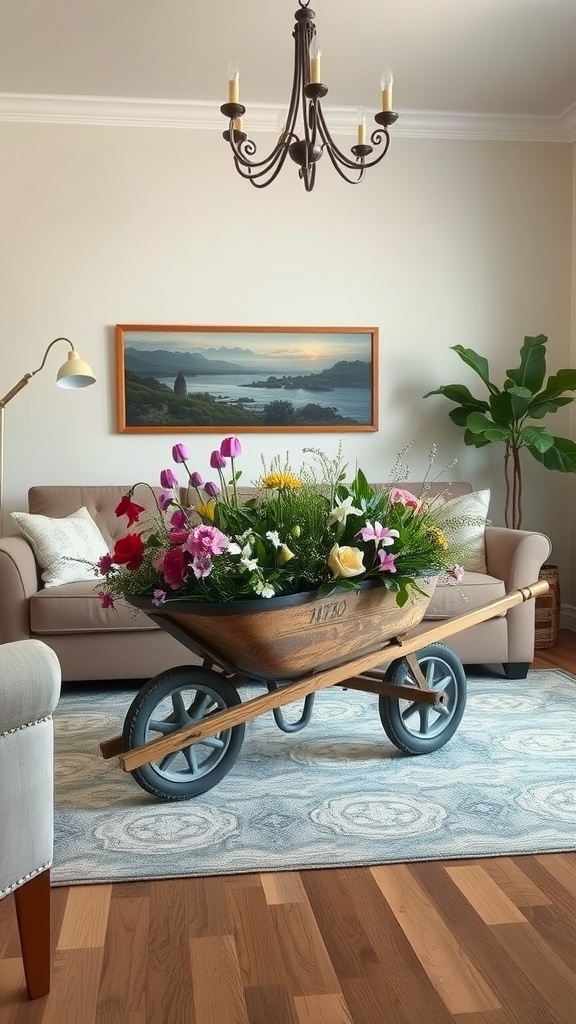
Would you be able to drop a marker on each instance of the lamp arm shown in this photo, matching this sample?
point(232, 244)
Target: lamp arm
point(28, 376)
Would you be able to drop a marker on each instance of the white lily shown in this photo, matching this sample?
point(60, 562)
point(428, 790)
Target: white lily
point(342, 510)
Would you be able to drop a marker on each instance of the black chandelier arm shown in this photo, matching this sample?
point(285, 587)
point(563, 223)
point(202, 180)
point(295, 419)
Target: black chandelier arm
point(358, 168)
point(269, 168)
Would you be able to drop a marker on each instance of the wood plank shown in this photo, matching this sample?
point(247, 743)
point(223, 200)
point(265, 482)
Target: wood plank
point(76, 978)
point(207, 906)
point(401, 987)
point(123, 982)
point(539, 964)
point(451, 971)
point(339, 919)
point(306, 961)
point(169, 994)
point(269, 1004)
point(257, 943)
point(482, 892)
point(330, 1009)
point(216, 981)
point(85, 917)
point(283, 887)
point(515, 882)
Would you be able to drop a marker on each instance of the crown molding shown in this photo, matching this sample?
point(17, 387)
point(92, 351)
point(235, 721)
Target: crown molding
point(190, 114)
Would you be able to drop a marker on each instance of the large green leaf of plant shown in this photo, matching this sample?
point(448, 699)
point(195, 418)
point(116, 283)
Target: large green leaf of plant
point(478, 423)
point(561, 456)
point(554, 394)
point(460, 393)
point(537, 437)
point(477, 362)
point(532, 370)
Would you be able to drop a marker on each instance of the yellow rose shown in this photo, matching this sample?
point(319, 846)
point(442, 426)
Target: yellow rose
point(345, 561)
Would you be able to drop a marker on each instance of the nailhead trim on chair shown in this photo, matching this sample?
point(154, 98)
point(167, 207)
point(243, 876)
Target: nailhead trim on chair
point(26, 726)
point(26, 878)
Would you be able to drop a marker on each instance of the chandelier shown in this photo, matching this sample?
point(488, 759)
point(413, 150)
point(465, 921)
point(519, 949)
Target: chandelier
point(306, 103)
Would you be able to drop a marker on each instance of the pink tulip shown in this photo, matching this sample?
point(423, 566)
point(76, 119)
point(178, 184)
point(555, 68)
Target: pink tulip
point(217, 461)
point(230, 447)
point(180, 453)
point(196, 480)
point(168, 479)
point(211, 489)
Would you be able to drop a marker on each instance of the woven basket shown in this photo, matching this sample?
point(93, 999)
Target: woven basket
point(547, 611)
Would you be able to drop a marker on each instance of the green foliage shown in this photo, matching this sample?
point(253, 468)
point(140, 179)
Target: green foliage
point(504, 416)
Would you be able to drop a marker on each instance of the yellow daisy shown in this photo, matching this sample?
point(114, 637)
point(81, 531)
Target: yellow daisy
point(281, 482)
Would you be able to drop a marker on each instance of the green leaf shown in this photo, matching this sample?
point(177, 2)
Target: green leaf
point(553, 396)
point(477, 363)
point(459, 393)
point(561, 456)
point(333, 586)
point(537, 437)
point(478, 423)
point(510, 406)
point(475, 440)
point(459, 415)
point(532, 370)
point(540, 409)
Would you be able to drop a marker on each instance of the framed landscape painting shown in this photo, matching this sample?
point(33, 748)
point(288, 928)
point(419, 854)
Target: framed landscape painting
point(234, 379)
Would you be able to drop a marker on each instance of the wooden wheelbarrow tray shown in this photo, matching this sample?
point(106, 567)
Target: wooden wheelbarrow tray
point(357, 650)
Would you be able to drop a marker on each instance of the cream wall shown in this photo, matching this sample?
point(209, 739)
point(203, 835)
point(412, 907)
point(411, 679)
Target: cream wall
point(446, 242)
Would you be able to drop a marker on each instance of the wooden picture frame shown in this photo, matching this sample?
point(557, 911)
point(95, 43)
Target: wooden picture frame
point(217, 379)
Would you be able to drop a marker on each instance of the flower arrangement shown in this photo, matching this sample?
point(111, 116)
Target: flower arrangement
point(306, 531)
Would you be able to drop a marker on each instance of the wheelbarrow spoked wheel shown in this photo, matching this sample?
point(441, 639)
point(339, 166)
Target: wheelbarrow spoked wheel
point(418, 728)
point(170, 701)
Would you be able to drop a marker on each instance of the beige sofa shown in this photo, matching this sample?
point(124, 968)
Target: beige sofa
point(94, 643)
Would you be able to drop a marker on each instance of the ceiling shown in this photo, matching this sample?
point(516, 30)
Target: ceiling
point(500, 57)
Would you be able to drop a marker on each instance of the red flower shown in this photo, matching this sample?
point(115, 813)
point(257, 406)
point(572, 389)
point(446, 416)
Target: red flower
point(174, 568)
point(129, 551)
point(127, 507)
point(106, 600)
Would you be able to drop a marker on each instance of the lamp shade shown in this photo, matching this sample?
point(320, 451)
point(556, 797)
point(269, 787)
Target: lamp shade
point(75, 373)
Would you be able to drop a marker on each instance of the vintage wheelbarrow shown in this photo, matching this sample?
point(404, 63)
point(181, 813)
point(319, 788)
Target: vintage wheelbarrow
point(185, 727)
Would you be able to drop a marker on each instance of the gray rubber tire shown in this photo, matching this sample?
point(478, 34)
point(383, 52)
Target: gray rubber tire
point(178, 697)
point(422, 728)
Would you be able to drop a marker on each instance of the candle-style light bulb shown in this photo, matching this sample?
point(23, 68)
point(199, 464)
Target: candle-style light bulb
point(386, 86)
point(315, 58)
point(361, 122)
point(233, 81)
point(281, 124)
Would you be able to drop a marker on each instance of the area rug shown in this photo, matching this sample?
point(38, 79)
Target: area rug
point(338, 793)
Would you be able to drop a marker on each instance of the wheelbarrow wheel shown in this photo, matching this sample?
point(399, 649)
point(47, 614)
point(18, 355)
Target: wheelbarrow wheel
point(418, 728)
point(170, 701)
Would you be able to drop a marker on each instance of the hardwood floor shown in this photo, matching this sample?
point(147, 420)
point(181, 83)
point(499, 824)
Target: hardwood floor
point(489, 941)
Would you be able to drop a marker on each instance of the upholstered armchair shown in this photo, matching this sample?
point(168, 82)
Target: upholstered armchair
point(29, 691)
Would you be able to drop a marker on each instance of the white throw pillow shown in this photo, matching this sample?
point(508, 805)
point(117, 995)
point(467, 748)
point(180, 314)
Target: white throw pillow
point(463, 520)
point(66, 549)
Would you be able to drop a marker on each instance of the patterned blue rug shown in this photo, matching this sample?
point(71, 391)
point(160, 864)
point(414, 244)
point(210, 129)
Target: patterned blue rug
point(336, 794)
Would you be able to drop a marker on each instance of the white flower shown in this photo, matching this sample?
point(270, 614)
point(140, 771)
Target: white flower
point(264, 589)
point(342, 510)
point(273, 536)
point(247, 563)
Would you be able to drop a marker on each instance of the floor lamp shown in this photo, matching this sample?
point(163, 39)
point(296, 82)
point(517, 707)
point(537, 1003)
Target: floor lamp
point(74, 373)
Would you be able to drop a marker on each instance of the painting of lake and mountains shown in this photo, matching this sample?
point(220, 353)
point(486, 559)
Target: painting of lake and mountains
point(196, 379)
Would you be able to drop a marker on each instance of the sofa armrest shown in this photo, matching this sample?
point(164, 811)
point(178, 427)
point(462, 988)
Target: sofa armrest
point(515, 556)
point(18, 581)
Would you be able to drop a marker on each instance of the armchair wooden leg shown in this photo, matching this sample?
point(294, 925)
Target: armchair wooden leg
point(33, 912)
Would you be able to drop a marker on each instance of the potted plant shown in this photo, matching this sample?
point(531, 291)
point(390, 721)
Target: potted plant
point(506, 415)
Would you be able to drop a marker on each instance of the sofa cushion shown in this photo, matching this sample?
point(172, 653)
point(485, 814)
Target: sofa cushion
point(76, 608)
point(476, 589)
point(67, 548)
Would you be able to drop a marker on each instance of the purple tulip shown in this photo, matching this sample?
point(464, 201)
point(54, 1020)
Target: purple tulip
point(165, 499)
point(230, 447)
point(196, 480)
point(211, 489)
point(168, 479)
point(217, 460)
point(180, 453)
